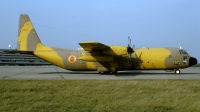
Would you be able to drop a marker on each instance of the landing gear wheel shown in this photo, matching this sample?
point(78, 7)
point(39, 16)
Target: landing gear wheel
point(177, 71)
point(115, 72)
point(106, 72)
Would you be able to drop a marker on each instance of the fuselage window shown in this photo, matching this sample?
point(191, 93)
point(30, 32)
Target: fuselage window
point(185, 57)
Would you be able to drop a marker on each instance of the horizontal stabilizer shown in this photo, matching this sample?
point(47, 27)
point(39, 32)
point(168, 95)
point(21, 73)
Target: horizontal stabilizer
point(18, 51)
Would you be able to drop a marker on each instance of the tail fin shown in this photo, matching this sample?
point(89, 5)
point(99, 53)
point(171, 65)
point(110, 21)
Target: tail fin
point(27, 36)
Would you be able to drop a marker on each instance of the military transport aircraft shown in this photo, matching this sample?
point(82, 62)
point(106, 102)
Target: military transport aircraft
point(99, 57)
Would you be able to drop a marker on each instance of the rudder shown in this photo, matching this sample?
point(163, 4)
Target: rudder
point(27, 36)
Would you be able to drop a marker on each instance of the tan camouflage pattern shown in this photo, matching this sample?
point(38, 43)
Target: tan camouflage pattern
point(99, 57)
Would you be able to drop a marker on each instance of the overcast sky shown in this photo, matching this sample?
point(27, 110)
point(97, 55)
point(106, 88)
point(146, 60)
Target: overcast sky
point(63, 24)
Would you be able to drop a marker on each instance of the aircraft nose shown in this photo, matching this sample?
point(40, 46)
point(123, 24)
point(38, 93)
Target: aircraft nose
point(192, 61)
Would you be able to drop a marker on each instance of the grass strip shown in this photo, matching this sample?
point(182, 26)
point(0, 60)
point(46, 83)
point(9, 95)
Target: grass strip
point(100, 95)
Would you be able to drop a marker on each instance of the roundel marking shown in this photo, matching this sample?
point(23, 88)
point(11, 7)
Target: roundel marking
point(72, 59)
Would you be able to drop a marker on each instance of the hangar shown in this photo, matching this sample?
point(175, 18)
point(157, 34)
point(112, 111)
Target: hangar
point(7, 59)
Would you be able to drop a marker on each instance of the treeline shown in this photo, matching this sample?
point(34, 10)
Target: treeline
point(197, 65)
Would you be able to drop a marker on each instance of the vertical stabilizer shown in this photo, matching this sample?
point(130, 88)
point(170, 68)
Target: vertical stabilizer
point(27, 36)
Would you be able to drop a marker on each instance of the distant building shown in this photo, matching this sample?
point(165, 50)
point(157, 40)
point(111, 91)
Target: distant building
point(7, 59)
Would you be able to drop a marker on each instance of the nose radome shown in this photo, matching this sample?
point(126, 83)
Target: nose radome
point(192, 61)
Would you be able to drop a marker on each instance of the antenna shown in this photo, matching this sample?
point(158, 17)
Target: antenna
point(180, 47)
point(9, 46)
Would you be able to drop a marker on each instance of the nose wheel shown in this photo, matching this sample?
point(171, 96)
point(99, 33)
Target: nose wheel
point(177, 71)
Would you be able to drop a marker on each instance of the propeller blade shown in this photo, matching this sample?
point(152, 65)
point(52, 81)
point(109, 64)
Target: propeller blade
point(140, 55)
point(141, 61)
point(129, 49)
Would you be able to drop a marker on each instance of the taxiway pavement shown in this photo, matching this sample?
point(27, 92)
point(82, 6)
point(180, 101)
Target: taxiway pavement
point(53, 72)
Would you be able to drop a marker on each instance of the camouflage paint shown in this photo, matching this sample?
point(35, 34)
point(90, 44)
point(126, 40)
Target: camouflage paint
point(151, 58)
point(27, 36)
point(111, 59)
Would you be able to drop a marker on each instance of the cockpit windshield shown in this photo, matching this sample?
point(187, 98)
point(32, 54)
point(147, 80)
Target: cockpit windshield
point(183, 52)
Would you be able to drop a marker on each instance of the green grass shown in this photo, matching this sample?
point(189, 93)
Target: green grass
point(97, 95)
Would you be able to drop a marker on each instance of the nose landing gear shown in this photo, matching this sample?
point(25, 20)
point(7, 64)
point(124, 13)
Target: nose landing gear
point(177, 71)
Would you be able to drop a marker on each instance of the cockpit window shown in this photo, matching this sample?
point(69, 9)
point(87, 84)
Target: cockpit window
point(182, 52)
point(186, 52)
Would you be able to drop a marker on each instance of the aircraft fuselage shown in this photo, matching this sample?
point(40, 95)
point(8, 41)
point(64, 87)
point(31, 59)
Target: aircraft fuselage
point(141, 59)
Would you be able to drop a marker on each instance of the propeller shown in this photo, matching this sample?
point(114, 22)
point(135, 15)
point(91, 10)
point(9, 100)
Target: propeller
point(129, 49)
point(140, 60)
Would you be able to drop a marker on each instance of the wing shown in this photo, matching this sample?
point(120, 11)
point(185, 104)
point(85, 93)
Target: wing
point(91, 45)
point(102, 49)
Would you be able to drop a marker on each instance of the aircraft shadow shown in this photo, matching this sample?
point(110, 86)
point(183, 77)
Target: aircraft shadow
point(69, 73)
point(119, 74)
point(150, 73)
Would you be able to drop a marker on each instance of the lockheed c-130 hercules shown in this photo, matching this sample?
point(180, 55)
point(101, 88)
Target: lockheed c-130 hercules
point(99, 57)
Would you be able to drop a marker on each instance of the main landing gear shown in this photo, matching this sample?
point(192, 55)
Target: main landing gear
point(107, 72)
point(177, 71)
